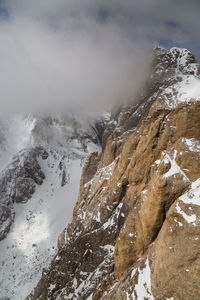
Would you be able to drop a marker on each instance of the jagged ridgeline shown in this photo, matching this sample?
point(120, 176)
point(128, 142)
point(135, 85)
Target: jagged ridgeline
point(135, 231)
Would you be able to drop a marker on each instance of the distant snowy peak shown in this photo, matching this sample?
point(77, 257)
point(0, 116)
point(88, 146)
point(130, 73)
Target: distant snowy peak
point(26, 139)
point(177, 76)
point(69, 134)
point(176, 61)
point(40, 166)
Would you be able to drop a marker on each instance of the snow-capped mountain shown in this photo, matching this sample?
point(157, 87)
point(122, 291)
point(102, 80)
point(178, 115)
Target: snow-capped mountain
point(134, 233)
point(40, 163)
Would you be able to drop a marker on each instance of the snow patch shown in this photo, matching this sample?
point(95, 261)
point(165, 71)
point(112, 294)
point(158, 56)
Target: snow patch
point(192, 144)
point(143, 287)
point(193, 195)
point(189, 219)
point(174, 169)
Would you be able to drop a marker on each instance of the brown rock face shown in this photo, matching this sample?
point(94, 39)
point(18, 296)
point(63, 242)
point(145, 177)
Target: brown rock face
point(135, 228)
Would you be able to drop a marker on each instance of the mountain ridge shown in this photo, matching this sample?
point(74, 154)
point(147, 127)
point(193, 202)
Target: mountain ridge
point(137, 200)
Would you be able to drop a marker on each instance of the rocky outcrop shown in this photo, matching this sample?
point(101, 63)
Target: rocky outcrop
point(17, 184)
point(135, 227)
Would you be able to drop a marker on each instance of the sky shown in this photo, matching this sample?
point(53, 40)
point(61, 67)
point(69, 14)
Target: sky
point(85, 54)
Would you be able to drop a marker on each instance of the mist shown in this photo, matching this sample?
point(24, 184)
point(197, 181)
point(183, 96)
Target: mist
point(58, 55)
point(42, 69)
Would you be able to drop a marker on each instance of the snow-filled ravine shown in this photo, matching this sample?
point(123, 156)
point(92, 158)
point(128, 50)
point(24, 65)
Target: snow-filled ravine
point(32, 241)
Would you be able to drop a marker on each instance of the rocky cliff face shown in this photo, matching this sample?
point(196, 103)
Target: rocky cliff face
point(135, 227)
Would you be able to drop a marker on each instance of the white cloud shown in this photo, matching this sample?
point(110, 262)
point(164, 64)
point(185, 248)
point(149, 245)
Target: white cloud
point(56, 54)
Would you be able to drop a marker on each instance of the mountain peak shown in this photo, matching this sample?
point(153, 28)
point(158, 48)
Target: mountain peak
point(138, 200)
point(175, 61)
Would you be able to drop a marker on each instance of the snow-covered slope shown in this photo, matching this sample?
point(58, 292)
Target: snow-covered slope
point(32, 239)
point(181, 74)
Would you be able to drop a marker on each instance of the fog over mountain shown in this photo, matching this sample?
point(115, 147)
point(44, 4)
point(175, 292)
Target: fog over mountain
point(99, 149)
point(56, 54)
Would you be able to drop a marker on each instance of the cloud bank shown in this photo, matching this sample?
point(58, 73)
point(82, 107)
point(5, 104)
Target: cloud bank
point(84, 54)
